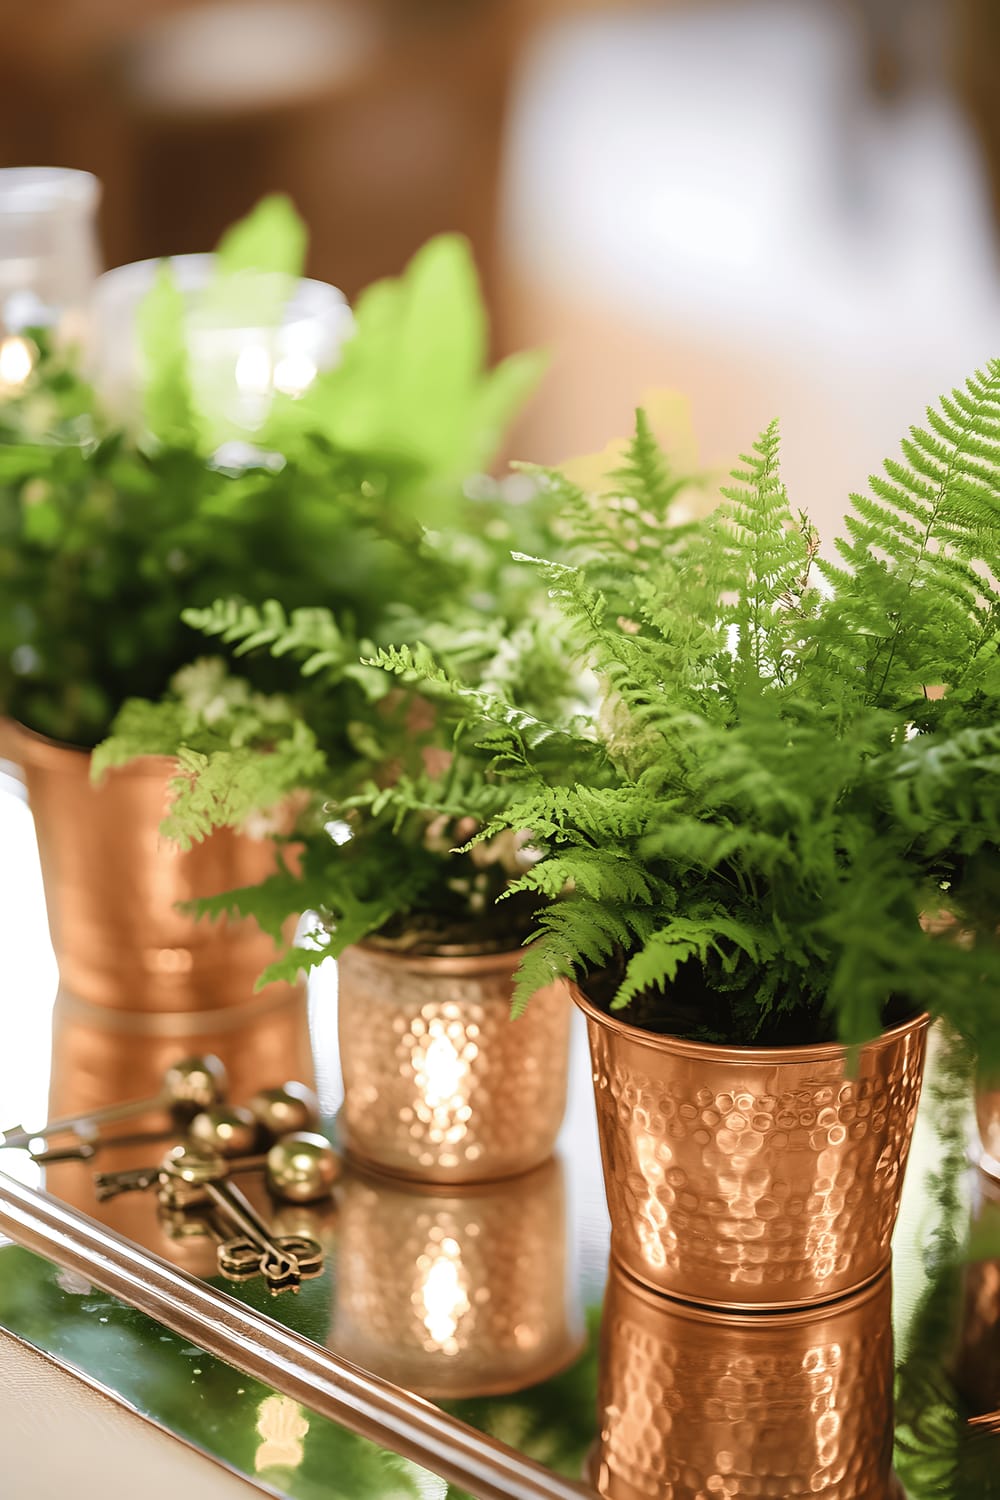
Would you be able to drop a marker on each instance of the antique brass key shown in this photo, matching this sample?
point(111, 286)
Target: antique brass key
point(284, 1261)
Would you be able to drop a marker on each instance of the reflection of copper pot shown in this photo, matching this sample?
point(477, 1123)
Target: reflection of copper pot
point(439, 1084)
point(976, 1364)
point(694, 1403)
point(456, 1292)
point(102, 1056)
point(112, 884)
point(988, 1121)
point(753, 1177)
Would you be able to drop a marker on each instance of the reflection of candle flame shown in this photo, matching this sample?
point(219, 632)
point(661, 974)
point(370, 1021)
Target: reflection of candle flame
point(282, 1425)
point(16, 361)
point(443, 1294)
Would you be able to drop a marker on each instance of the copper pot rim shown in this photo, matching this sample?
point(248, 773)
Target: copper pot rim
point(40, 750)
point(722, 1053)
point(745, 1316)
point(473, 964)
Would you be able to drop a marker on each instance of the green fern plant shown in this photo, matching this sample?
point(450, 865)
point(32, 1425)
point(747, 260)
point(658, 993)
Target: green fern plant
point(388, 776)
point(783, 777)
point(372, 786)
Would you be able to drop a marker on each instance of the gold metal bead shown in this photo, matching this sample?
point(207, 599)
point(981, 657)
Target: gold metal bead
point(280, 1111)
point(195, 1083)
point(302, 1168)
point(231, 1130)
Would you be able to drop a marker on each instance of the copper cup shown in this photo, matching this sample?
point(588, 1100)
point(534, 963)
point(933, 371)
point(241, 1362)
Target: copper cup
point(753, 1177)
point(101, 1056)
point(696, 1404)
point(112, 884)
point(439, 1084)
point(460, 1292)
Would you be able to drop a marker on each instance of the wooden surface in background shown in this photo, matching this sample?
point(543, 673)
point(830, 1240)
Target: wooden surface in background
point(408, 145)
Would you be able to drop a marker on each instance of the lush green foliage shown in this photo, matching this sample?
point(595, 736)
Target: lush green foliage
point(380, 798)
point(106, 536)
point(782, 777)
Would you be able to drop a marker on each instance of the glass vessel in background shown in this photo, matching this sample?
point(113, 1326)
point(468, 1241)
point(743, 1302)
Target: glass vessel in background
point(49, 256)
point(261, 334)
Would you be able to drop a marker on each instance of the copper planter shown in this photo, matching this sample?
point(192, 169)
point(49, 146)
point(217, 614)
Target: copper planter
point(439, 1084)
point(696, 1404)
point(112, 885)
point(753, 1177)
point(457, 1292)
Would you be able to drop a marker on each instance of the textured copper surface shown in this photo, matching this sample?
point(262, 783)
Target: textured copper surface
point(753, 1178)
point(96, 1062)
point(440, 1085)
point(112, 884)
point(988, 1121)
point(711, 1406)
point(456, 1293)
point(976, 1364)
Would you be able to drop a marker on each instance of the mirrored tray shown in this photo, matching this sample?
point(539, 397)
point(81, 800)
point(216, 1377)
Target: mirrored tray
point(453, 1345)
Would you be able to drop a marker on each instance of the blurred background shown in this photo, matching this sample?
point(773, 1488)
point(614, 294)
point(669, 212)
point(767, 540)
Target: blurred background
point(780, 207)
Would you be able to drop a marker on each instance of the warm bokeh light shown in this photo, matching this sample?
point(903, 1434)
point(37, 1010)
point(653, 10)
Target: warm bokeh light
point(282, 1424)
point(17, 360)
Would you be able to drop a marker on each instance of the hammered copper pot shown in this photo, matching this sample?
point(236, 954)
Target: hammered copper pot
point(456, 1292)
point(753, 1177)
point(700, 1405)
point(112, 884)
point(440, 1085)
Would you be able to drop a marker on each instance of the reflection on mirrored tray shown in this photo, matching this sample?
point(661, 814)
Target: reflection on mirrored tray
point(487, 1300)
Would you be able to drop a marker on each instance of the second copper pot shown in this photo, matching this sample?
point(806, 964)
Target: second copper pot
point(440, 1085)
